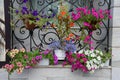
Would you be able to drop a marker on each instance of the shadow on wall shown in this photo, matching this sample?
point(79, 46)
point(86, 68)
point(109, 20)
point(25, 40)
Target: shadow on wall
point(2, 41)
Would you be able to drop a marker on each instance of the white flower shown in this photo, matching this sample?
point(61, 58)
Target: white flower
point(95, 66)
point(97, 51)
point(101, 53)
point(95, 61)
point(87, 52)
point(81, 51)
point(91, 62)
point(93, 55)
point(99, 58)
point(91, 51)
point(88, 67)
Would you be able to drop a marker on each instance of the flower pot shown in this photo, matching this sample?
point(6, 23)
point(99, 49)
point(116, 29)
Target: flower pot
point(60, 54)
point(28, 25)
point(44, 62)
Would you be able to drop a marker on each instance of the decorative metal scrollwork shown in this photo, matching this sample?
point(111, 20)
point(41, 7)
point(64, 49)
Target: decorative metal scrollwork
point(29, 39)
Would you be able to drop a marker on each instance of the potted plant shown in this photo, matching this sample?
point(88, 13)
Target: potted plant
point(60, 48)
point(90, 18)
point(62, 23)
point(20, 60)
point(47, 58)
point(88, 60)
point(30, 18)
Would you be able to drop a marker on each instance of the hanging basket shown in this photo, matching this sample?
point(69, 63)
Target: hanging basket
point(28, 25)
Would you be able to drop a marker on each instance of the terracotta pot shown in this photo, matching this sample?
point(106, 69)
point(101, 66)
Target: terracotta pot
point(28, 25)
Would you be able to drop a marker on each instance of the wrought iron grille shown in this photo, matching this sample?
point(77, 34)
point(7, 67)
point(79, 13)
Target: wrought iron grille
point(30, 39)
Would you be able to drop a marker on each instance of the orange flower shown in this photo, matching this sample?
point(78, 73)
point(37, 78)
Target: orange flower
point(71, 24)
point(68, 38)
point(71, 35)
point(52, 25)
point(59, 17)
point(68, 17)
point(62, 13)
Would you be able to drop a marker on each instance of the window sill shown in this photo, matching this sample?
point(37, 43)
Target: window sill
point(67, 66)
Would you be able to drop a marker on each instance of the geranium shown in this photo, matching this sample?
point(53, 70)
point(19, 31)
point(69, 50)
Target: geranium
point(90, 19)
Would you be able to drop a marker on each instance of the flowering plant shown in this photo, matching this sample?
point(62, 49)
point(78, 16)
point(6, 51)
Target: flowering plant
point(90, 19)
point(48, 54)
point(88, 60)
point(31, 18)
point(20, 59)
point(67, 46)
point(63, 23)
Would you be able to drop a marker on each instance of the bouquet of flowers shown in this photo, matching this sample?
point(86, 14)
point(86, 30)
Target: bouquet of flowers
point(88, 60)
point(90, 19)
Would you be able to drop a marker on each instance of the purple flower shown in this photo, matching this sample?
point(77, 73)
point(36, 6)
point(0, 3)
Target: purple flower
point(55, 59)
point(70, 47)
point(25, 10)
point(25, 1)
point(28, 67)
point(46, 51)
point(48, 23)
point(38, 57)
point(37, 19)
point(35, 13)
point(43, 26)
point(16, 11)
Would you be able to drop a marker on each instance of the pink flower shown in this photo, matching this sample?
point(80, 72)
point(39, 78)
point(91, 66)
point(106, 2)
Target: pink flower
point(25, 56)
point(76, 16)
point(101, 16)
point(28, 67)
point(88, 12)
point(19, 64)
point(6, 66)
point(110, 17)
point(95, 14)
point(86, 24)
point(100, 11)
point(84, 59)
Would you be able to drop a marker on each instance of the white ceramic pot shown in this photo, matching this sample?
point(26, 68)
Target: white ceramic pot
point(44, 62)
point(60, 54)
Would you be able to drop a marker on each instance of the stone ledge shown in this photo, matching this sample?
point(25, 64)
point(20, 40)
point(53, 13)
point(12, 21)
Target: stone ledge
point(68, 66)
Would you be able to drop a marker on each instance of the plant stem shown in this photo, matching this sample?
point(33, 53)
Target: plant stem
point(8, 76)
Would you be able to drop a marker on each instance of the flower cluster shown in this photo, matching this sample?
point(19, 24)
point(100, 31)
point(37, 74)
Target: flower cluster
point(30, 18)
point(63, 23)
point(52, 57)
point(88, 60)
point(90, 19)
point(67, 46)
point(20, 59)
